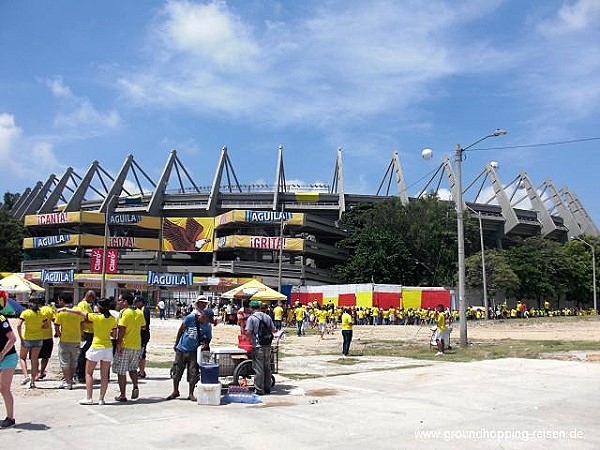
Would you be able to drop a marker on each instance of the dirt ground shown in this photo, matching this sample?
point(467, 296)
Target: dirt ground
point(551, 329)
point(160, 349)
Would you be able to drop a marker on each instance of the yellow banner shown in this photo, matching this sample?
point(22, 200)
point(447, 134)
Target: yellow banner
point(60, 240)
point(307, 196)
point(261, 242)
point(114, 219)
point(252, 216)
point(57, 218)
point(188, 234)
point(136, 220)
point(90, 240)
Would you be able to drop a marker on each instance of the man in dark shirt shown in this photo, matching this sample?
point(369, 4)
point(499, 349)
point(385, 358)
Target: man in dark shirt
point(261, 354)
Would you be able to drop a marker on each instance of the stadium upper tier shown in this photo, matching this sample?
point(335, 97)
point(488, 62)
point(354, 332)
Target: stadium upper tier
point(281, 230)
point(514, 209)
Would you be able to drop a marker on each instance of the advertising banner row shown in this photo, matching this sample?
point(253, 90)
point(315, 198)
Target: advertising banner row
point(159, 279)
point(370, 295)
point(179, 234)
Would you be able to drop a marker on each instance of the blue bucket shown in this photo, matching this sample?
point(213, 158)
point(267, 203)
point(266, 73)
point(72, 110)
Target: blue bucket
point(209, 373)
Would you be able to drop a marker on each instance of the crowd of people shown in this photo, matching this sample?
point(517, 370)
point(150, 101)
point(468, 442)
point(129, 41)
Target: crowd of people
point(115, 333)
point(328, 317)
point(109, 332)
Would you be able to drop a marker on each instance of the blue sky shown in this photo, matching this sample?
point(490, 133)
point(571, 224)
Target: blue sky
point(98, 80)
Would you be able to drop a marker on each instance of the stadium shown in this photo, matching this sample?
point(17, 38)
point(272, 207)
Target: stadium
point(130, 232)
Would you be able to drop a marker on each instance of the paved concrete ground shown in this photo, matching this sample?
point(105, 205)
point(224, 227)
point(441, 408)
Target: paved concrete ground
point(394, 403)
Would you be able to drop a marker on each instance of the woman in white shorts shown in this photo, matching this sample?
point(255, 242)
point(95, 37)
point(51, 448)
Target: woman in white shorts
point(101, 351)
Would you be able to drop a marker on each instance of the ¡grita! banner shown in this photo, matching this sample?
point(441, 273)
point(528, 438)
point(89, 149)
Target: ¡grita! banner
point(261, 242)
point(188, 234)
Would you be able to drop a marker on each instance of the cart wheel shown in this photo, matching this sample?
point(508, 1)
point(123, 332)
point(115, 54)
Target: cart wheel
point(242, 370)
point(272, 380)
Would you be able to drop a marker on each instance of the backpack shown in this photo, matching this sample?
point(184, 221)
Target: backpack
point(265, 335)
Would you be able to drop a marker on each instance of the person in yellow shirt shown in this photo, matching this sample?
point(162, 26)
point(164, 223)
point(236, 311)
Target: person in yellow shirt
point(67, 328)
point(87, 306)
point(101, 350)
point(322, 315)
point(278, 315)
point(440, 332)
point(375, 315)
point(346, 331)
point(31, 340)
point(129, 346)
point(48, 312)
point(299, 313)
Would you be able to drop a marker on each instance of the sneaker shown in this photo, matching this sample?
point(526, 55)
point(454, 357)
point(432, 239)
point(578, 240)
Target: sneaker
point(86, 401)
point(7, 423)
point(101, 402)
point(25, 380)
point(32, 386)
point(439, 354)
point(135, 393)
point(65, 385)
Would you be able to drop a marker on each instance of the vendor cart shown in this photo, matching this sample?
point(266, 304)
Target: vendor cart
point(235, 364)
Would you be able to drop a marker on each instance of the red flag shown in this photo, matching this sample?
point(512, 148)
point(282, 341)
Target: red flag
point(96, 260)
point(112, 258)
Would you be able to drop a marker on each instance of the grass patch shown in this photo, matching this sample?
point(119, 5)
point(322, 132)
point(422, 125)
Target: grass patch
point(345, 361)
point(159, 364)
point(504, 348)
point(301, 376)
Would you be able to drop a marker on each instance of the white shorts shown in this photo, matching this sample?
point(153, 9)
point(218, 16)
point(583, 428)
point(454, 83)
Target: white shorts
point(440, 334)
point(99, 354)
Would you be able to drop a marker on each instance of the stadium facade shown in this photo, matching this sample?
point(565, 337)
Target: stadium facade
point(130, 232)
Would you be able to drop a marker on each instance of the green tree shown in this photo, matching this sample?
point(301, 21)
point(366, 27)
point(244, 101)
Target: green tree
point(579, 258)
point(409, 245)
point(541, 267)
point(12, 233)
point(499, 275)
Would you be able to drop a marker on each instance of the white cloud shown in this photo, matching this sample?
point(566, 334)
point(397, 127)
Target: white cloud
point(561, 65)
point(345, 62)
point(23, 158)
point(10, 133)
point(572, 17)
point(341, 64)
point(43, 154)
point(78, 113)
point(210, 32)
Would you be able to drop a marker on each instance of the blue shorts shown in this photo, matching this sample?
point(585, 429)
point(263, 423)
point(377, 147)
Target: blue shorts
point(28, 343)
point(9, 361)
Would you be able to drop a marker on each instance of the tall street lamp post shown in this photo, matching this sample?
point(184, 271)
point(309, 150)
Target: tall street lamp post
point(593, 270)
point(458, 157)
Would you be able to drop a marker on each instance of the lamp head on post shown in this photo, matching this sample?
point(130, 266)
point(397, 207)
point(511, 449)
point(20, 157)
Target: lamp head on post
point(462, 308)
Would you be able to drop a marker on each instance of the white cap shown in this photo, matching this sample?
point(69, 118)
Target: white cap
point(202, 298)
